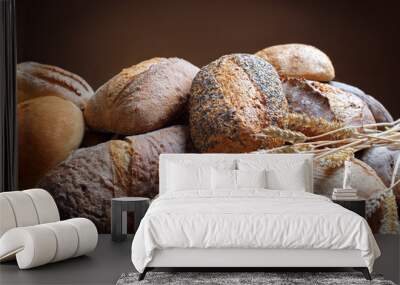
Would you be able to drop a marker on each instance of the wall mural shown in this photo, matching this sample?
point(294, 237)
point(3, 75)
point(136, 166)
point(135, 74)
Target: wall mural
point(86, 147)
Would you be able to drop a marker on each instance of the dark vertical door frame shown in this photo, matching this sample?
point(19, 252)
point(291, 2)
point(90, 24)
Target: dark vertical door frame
point(8, 139)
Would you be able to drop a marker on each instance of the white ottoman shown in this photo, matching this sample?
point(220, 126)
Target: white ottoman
point(31, 232)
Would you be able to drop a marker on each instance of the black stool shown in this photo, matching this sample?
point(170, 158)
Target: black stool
point(119, 209)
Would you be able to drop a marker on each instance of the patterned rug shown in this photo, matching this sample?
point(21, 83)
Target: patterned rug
point(243, 278)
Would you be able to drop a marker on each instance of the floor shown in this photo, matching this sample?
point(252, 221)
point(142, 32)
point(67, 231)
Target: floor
point(103, 266)
point(111, 259)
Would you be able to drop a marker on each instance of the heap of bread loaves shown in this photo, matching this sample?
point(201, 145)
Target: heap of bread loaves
point(86, 147)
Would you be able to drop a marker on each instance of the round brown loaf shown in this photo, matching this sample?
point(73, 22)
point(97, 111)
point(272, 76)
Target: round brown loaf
point(37, 80)
point(299, 60)
point(380, 113)
point(232, 99)
point(141, 98)
point(383, 160)
point(84, 184)
point(49, 128)
point(322, 100)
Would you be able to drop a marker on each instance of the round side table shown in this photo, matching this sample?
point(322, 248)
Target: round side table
point(119, 208)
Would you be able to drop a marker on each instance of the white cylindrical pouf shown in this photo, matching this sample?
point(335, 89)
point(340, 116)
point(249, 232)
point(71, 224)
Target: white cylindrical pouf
point(23, 208)
point(7, 218)
point(45, 205)
point(37, 245)
point(87, 233)
point(67, 240)
point(33, 246)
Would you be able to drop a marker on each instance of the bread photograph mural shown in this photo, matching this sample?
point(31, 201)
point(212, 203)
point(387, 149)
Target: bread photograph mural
point(262, 102)
point(93, 116)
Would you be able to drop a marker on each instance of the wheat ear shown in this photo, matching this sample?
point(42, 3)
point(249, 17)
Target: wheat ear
point(313, 126)
point(336, 159)
point(283, 134)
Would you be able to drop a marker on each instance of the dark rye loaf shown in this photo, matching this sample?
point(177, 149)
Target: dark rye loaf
point(141, 98)
point(84, 184)
point(233, 98)
point(38, 80)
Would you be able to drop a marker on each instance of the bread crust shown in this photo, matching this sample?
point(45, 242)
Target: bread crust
point(299, 60)
point(380, 113)
point(85, 182)
point(49, 129)
point(141, 98)
point(38, 80)
point(322, 100)
point(232, 99)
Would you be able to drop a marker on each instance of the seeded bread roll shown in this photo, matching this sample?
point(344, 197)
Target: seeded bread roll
point(322, 100)
point(299, 60)
point(141, 98)
point(49, 129)
point(84, 184)
point(37, 80)
point(232, 99)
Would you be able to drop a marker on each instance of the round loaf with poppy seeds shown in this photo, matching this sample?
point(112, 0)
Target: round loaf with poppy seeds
point(232, 99)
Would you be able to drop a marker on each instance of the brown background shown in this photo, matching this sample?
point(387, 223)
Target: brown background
point(95, 39)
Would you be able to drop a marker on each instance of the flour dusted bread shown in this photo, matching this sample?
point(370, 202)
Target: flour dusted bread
point(37, 80)
point(382, 216)
point(383, 160)
point(49, 128)
point(141, 98)
point(233, 98)
point(84, 184)
point(299, 60)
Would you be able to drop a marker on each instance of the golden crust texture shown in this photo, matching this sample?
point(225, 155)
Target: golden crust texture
point(322, 100)
point(232, 99)
point(38, 80)
point(141, 98)
point(299, 60)
point(49, 128)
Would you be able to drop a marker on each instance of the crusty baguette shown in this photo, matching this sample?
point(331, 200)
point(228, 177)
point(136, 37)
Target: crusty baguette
point(141, 98)
point(37, 80)
point(232, 99)
point(299, 60)
point(49, 129)
point(84, 184)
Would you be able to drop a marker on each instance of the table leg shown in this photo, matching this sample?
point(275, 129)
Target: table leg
point(124, 221)
point(116, 221)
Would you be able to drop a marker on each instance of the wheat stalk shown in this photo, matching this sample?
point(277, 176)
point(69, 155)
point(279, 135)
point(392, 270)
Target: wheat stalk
point(333, 143)
point(313, 126)
point(390, 216)
point(336, 159)
point(284, 134)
